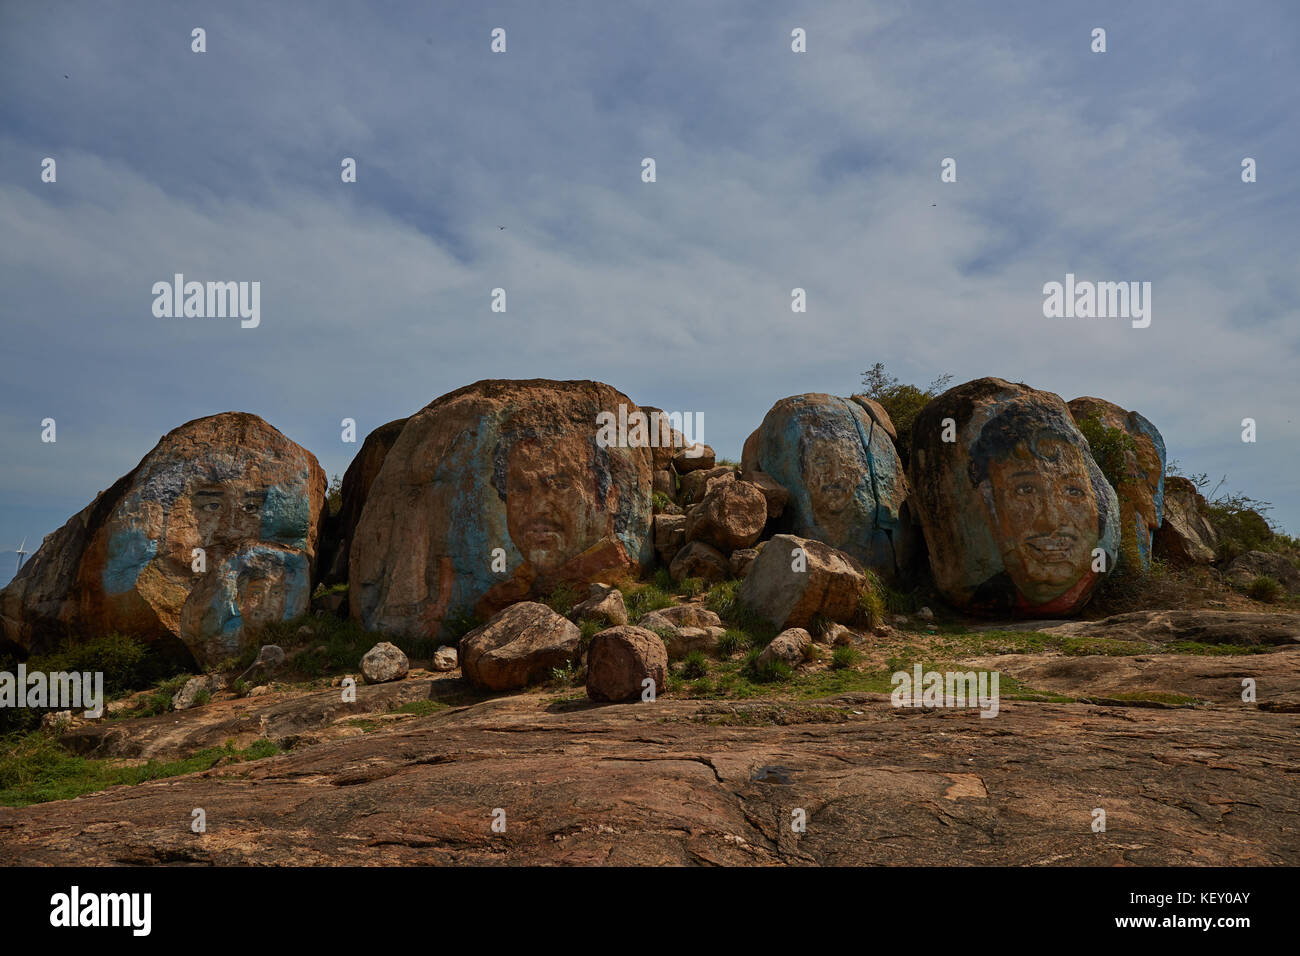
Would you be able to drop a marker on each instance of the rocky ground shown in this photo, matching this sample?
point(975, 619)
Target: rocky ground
point(414, 771)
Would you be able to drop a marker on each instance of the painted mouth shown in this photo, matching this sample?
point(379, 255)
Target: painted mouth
point(1052, 549)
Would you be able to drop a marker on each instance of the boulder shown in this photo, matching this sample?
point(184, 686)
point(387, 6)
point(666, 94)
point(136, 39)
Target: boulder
point(669, 535)
point(1014, 507)
point(1141, 489)
point(878, 415)
point(445, 659)
point(741, 560)
point(695, 485)
point(699, 560)
point(520, 467)
point(773, 491)
point(731, 516)
point(693, 457)
point(844, 478)
point(665, 483)
point(338, 529)
point(1253, 564)
point(793, 579)
point(229, 490)
point(384, 662)
point(683, 640)
point(269, 657)
point(749, 453)
point(188, 696)
point(788, 647)
point(604, 604)
point(1185, 536)
point(665, 440)
point(620, 659)
point(518, 646)
point(681, 615)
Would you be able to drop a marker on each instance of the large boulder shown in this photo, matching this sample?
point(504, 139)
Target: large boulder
point(795, 579)
point(497, 493)
point(518, 647)
point(699, 560)
point(212, 534)
point(604, 604)
point(336, 535)
point(845, 480)
point(1185, 536)
point(619, 661)
point(1141, 489)
point(1013, 507)
point(731, 516)
point(788, 647)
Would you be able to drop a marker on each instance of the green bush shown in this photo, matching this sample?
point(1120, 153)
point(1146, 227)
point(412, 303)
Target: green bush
point(730, 642)
point(695, 666)
point(764, 671)
point(902, 402)
point(1264, 588)
point(843, 658)
point(1110, 448)
point(722, 598)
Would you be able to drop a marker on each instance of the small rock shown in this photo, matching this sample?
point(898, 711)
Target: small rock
point(788, 646)
point(188, 695)
point(384, 662)
point(260, 690)
point(925, 614)
point(445, 659)
point(604, 604)
point(270, 656)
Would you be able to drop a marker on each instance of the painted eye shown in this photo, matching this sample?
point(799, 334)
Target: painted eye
point(1074, 492)
point(1025, 489)
point(213, 506)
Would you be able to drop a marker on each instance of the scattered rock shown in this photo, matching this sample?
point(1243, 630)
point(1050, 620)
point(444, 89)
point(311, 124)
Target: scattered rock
point(681, 615)
point(384, 662)
point(788, 647)
point(518, 646)
point(699, 560)
point(445, 659)
point(774, 493)
point(189, 695)
point(604, 604)
point(693, 457)
point(741, 560)
point(1253, 564)
point(270, 656)
point(620, 659)
point(682, 640)
point(731, 516)
point(1185, 536)
point(695, 485)
point(926, 615)
point(261, 690)
point(830, 583)
point(669, 535)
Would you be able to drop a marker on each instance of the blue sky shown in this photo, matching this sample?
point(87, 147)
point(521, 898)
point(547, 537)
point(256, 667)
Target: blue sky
point(775, 170)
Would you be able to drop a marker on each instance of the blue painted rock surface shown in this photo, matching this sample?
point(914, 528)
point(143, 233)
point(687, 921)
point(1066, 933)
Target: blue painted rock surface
point(846, 483)
point(496, 493)
point(213, 533)
point(1016, 514)
point(1141, 489)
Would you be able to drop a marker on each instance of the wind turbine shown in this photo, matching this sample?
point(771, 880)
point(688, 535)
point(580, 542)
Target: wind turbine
point(21, 554)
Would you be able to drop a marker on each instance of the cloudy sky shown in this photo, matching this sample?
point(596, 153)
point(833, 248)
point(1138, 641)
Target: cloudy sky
point(775, 170)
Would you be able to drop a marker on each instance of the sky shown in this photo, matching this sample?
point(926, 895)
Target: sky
point(775, 170)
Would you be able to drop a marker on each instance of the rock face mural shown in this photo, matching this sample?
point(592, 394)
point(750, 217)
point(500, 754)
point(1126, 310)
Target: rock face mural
point(495, 493)
point(1141, 489)
point(846, 483)
point(1013, 506)
point(213, 532)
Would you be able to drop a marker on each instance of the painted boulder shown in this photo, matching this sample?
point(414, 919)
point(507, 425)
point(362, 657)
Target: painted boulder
point(336, 535)
point(497, 493)
point(846, 483)
point(1141, 488)
point(213, 533)
point(1016, 514)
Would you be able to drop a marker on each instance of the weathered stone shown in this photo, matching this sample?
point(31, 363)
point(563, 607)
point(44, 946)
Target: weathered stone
point(1186, 535)
point(515, 465)
point(604, 604)
point(1141, 489)
point(1253, 564)
point(269, 657)
point(518, 646)
point(837, 635)
point(665, 483)
point(749, 453)
point(773, 491)
point(878, 415)
point(926, 615)
point(683, 640)
point(669, 535)
point(788, 647)
point(699, 560)
point(230, 485)
point(681, 615)
point(190, 695)
point(693, 457)
point(731, 516)
point(741, 560)
point(338, 529)
point(620, 659)
point(1015, 506)
point(445, 659)
point(695, 485)
point(795, 578)
point(844, 478)
point(384, 662)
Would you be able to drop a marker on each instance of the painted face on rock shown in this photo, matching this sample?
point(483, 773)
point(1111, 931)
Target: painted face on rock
point(552, 512)
point(1043, 513)
point(227, 515)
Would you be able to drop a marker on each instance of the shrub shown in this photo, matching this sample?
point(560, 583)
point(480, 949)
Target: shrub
point(660, 501)
point(690, 587)
point(843, 658)
point(695, 666)
point(730, 642)
point(764, 671)
point(1110, 448)
point(640, 601)
point(562, 599)
point(1264, 588)
point(722, 598)
point(902, 402)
